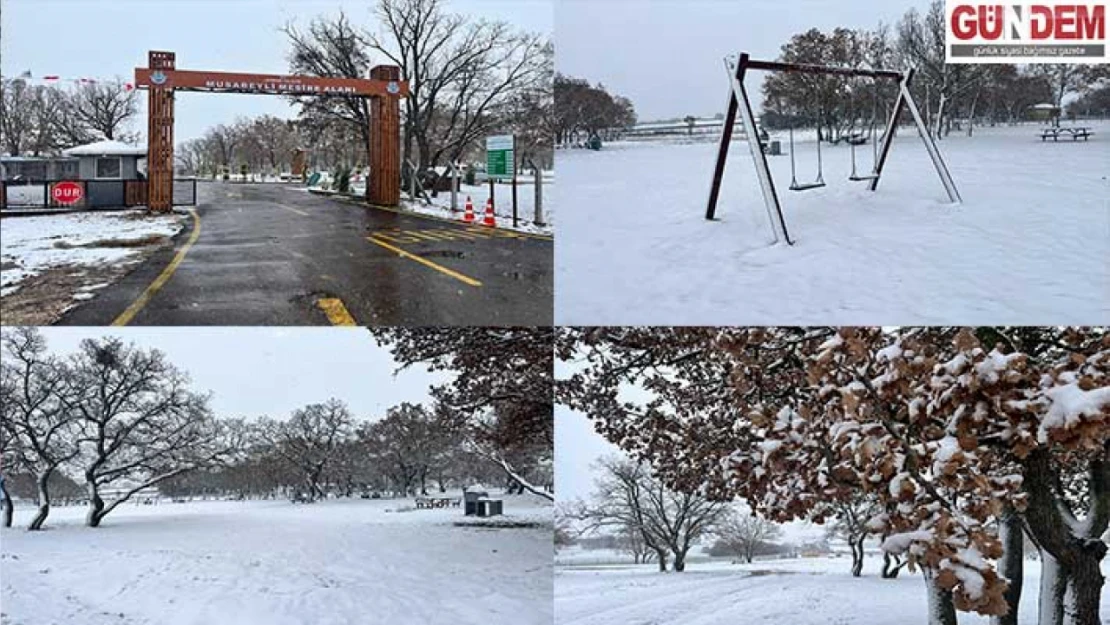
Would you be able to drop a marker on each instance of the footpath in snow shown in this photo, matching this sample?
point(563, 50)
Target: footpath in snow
point(276, 563)
point(1029, 245)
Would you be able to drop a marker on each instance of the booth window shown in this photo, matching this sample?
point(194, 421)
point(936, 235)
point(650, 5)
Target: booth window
point(108, 167)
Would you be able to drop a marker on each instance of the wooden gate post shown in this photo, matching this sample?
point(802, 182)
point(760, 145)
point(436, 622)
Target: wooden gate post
point(384, 186)
point(159, 159)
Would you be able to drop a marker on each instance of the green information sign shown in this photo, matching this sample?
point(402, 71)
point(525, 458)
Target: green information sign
point(499, 156)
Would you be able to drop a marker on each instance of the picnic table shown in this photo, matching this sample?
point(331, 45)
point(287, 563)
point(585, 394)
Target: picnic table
point(438, 502)
point(1075, 132)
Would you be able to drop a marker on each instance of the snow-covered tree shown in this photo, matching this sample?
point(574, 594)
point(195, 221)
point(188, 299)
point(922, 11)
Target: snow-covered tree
point(35, 411)
point(944, 426)
point(141, 423)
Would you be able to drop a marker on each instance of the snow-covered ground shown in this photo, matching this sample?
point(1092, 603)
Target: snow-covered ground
point(1029, 245)
point(32, 245)
point(478, 194)
point(804, 591)
point(275, 563)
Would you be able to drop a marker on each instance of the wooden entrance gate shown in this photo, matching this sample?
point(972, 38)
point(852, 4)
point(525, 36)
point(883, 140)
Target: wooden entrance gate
point(384, 88)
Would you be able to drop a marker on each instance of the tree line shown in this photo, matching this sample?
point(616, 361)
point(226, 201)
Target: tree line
point(949, 95)
point(950, 445)
point(121, 420)
point(259, 145)
point(583, 110)
point(38, 120)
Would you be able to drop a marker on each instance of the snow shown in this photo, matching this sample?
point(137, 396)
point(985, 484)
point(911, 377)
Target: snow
point(106, 148)
point(899, 543)
point(276, 563)
point(803, 591)
point(32, 245)
point(1069, 404)
point(1028, 243)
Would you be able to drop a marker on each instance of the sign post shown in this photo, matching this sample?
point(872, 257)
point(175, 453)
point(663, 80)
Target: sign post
point(500, 160)
point(67, 193)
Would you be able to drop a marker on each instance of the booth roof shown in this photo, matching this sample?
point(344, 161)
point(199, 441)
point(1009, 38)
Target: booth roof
point(106, 148)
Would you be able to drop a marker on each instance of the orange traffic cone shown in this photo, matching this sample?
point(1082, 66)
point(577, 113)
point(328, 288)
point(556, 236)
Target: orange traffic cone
point(489, 219)
point(468, 216)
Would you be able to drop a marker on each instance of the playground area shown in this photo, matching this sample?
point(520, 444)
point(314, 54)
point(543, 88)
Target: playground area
point(272, 562)
point(1028, 243)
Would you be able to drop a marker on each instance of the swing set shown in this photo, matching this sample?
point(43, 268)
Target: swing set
point(737, 68)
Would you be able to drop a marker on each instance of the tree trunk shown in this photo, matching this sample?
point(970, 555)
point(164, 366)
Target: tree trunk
point(942, 611)
point(42, 482)
point(8, 506)
point(680, 561)
point(1084, 590)
point(1071, 581)
point(661, 557)
point(1012, 564)
point(892, 566)
point(857, 557)
point(96, 505)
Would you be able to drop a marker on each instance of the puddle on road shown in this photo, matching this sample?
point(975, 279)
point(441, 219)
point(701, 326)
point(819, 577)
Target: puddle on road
point(443, 254)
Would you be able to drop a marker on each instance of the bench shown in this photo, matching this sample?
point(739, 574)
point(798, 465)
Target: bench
point(438, 502)
point(1076, 133)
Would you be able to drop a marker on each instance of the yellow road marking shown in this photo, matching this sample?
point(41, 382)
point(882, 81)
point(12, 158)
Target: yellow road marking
point(427, 263)
point(127, 315)
point(335, 310)
point(295, 210)
point(398, 235)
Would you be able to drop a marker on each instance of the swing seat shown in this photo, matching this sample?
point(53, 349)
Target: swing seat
point(859, 177)
point(806, 186)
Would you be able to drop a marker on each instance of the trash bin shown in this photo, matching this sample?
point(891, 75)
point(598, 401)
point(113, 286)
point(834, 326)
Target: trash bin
point(470, 499)
point(776, 148)
point(489, 507)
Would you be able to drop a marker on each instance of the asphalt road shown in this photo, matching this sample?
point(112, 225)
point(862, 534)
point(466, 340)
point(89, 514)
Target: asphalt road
point(277, 255)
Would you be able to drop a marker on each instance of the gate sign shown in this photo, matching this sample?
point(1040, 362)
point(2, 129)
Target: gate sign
point(67, 192)
point(499, 156)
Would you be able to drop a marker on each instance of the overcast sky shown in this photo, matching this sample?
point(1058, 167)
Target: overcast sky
point(108, 38)
point(273, 371)
point(667, 56)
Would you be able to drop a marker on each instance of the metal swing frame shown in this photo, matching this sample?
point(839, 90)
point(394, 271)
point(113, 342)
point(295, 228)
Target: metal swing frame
point(738, 101)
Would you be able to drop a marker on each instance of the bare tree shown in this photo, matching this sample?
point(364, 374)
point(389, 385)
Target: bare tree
point(104, 107)
point(460, 72)
point(17, 114)
point(142, 424)
point(850, 523)
point(628, 498)
point(744, 532)
point(35, 410)
point(409, 443)
point(332, 48)
point(310, 439)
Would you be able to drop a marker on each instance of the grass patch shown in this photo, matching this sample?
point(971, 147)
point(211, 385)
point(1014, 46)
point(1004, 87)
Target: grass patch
point(151, 239)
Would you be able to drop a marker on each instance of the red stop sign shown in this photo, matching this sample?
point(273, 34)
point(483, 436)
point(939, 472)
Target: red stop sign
point(67, 192)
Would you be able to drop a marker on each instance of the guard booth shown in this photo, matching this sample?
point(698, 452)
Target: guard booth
point(112, 173)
